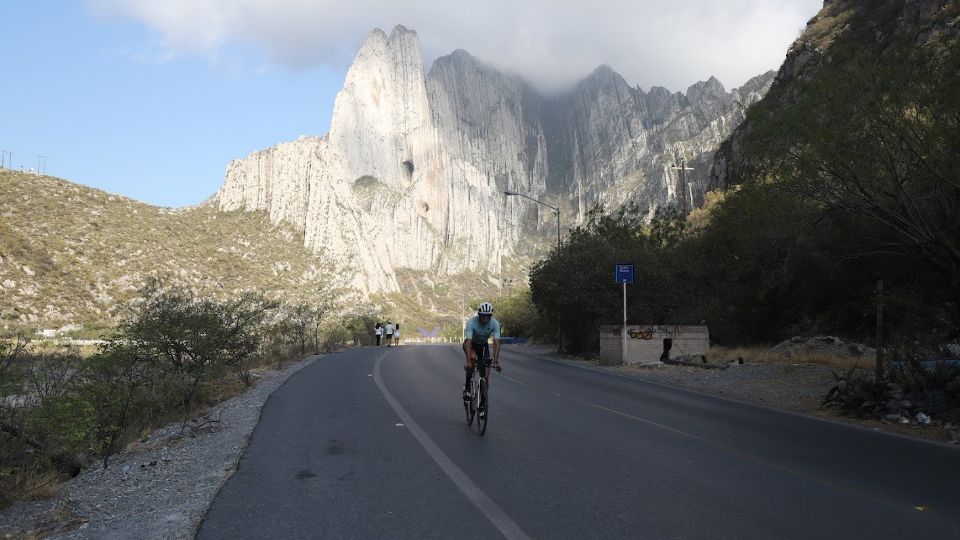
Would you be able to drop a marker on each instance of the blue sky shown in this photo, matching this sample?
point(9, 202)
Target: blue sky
point(152, 98)
point(75, 89)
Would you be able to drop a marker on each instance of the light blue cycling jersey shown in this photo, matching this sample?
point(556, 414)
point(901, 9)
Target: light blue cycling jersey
point(479, 332)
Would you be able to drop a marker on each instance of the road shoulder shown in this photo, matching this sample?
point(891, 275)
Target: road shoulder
point(161, 488)
point(795, 388)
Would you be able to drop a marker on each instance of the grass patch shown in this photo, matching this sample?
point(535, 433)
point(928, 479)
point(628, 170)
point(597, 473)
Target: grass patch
point(366, 181)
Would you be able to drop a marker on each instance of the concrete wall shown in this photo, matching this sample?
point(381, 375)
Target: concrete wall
point(645, 342)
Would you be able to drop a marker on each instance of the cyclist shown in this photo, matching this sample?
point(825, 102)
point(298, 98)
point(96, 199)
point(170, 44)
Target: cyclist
point(479, 330)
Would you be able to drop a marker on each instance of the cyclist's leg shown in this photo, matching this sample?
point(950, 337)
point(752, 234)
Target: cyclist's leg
point(468, 354)
point(488, 362)
point(483, 353)
point(468, 367)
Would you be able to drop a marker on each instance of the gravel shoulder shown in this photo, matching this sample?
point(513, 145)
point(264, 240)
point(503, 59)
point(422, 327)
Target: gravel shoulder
point(794, 387)
point(160, 488)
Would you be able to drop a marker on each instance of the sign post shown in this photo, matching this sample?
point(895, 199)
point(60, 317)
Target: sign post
point(624, 275)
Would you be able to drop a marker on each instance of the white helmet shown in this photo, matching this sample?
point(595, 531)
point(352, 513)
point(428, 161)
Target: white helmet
point(485, 308)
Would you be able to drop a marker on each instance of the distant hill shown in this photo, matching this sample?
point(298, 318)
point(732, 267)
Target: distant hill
point(70, 254)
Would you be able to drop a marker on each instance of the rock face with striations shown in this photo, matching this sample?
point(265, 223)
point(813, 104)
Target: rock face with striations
point(412, 172)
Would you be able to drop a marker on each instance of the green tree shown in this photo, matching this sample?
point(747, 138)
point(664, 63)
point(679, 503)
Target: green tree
point(875, 137)
point(576, 281)
point(519, 317)
point(114, 386)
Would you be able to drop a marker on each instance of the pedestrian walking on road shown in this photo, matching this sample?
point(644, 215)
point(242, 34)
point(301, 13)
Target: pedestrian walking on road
point(389, 332)
point(396, 335)
point(378, 331)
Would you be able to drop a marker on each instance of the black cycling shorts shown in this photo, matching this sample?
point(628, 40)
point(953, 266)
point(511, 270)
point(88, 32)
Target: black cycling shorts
point(480, 348)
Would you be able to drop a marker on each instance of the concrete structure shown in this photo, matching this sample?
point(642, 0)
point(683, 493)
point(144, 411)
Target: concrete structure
point(647, 342)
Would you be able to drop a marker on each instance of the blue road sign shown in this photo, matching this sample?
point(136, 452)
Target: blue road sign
point(624, 273)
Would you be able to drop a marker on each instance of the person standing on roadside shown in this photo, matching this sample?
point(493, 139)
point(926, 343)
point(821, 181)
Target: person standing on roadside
point(378, 331)
point(396, 335)
point(389, 332)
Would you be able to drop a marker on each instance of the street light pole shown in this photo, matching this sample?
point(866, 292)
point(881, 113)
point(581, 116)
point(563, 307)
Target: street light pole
point(556, 209)
point(683, 184)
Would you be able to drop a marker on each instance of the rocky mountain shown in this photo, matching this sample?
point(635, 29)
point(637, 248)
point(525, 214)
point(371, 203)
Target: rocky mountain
point(412, 173)
point(843, 29)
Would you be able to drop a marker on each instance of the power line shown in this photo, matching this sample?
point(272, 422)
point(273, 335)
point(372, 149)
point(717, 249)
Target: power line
point(5, 162)
point(42, 164)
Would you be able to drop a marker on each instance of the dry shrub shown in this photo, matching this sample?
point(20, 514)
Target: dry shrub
point(28, 482)
point(763, 355)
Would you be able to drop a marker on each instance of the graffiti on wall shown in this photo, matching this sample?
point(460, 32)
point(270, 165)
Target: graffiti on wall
point(639, 333)
point(653, 332)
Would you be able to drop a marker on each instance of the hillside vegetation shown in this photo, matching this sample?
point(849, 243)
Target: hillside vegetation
point(70, 254)
point(845, 174)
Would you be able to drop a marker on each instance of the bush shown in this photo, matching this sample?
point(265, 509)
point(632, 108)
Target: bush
point(336, 336)
point(127, 392)
point(167, 361)
point(518, 317)
point(360, 322)
point(197, 339)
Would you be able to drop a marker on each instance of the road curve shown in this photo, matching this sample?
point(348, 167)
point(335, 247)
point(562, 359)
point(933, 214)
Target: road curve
point(372, 443)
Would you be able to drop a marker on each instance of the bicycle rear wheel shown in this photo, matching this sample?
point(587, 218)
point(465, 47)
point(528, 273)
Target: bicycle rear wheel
point(482, 419)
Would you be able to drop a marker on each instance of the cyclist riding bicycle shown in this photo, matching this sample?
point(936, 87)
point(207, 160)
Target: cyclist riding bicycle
point(480, 329)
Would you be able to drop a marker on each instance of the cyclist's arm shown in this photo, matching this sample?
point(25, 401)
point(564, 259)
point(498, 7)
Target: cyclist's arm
point(496, 350)
point(467, 344)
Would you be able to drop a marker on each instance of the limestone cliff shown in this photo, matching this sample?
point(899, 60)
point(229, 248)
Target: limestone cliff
point(412, 172)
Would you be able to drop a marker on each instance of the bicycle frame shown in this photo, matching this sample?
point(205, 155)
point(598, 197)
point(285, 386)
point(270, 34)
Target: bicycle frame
point(479, 390)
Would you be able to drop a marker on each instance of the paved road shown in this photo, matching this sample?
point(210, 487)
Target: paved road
point(372, 443)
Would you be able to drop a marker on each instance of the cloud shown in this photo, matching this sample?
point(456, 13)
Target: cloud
point(552, 43)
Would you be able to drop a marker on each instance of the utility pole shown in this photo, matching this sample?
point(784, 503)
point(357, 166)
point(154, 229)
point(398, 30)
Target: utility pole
point(500, 279)
point(683, 183)
point(41, 164)
point(556, 209)
point(6, 159)
point(879, 368)
point(623, 329)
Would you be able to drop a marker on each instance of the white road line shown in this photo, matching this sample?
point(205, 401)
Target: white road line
point(514, 380)
point(643, 420)
point(744, 454)
point(494, 513)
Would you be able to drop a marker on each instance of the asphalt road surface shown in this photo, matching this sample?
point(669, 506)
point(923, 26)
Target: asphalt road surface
point(372, 443)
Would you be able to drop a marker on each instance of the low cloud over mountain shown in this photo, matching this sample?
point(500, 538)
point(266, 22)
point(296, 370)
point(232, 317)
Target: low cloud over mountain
point(551, 43)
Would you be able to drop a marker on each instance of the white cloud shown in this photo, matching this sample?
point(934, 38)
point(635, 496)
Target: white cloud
point(650, 42)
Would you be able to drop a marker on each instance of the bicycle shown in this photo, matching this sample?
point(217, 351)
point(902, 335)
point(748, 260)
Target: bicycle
point(479, 392)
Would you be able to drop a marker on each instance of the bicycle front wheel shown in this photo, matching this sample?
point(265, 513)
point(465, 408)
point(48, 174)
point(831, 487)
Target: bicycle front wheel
point(485, 399)
point(470, 407)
